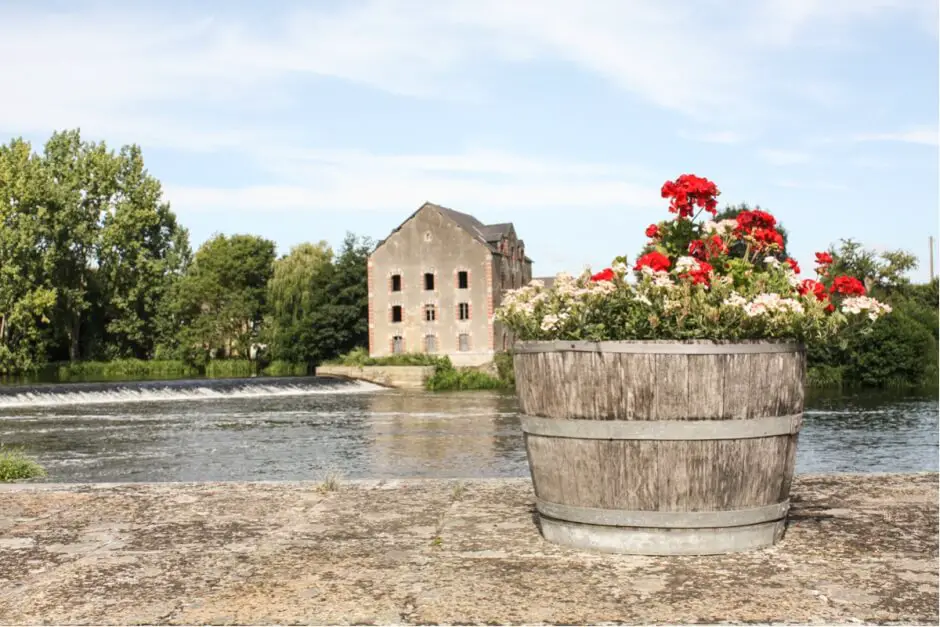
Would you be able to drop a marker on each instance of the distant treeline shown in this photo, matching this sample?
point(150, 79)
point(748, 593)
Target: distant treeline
point(95, 268)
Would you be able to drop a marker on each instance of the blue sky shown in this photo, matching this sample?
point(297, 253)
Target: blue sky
point(303, 121)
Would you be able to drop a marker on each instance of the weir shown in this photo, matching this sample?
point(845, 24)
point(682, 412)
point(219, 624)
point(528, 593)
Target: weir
point(175, 390)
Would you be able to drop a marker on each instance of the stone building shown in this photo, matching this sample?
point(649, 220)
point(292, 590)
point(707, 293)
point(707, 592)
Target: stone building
point(435, 282)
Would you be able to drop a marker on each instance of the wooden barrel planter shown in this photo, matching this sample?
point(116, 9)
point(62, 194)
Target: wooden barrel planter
point(661, 447)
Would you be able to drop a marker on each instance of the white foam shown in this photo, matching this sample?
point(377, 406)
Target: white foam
point(151, 395)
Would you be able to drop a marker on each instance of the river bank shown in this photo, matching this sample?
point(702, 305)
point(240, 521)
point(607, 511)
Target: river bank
point(859, 548)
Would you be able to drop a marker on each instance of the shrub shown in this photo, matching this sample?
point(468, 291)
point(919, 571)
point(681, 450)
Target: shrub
point(504, 368)
point(360, 357)
point(280, 368)
point(446, 377)
point(16, 466)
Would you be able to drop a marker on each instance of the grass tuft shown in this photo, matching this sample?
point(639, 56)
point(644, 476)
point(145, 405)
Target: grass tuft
point(15, 465)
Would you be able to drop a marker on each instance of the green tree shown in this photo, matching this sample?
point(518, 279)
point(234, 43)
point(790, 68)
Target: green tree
point(882, 273)
point(27, 297)
point(297, 295)
point(82, 186)
point(222, 299)
point(142, 252)
point(346, 319)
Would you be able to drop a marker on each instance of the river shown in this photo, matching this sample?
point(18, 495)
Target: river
point(309, 428)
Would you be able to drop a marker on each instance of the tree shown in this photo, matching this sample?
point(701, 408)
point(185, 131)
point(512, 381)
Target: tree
point(222, 299)
point(82, 179)
point(27, 297)
point(347, 317)
point(142, 251)
point(297, 294)
point(885, 272)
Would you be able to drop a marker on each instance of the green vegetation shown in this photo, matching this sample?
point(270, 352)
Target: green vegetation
point(360, 357)
point(446, 377)
point(16, 466)
point(280, 368)
point(900, 350)
point(98, 280)
point(124, 368)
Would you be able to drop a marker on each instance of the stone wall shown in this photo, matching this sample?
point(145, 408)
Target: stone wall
point(405, 377)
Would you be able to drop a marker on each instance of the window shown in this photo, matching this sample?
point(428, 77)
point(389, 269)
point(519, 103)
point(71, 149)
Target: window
point(463, 311)
point(396, 282)
point(429, 280)
point(430, 344)
point(396, 313)
point(398, 344)
point(430, 313)
point(463, 280)
point(463, 342)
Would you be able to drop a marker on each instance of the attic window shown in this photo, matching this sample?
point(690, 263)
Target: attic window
point(429, 280)
point(396, 282)
point(462, 280)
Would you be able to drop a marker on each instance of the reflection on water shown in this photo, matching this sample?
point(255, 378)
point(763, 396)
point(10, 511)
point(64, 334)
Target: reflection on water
point(304, 428)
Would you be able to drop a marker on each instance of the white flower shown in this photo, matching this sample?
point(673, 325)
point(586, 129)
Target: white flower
point(643, 299)
point(793, 279)
point(684, 264)
point(773, 262)
point(859, 304)
point(735, 300)
point(722, 227)
point(619, 267)
point(662, 279)
point(549, 322)
point(536, 283)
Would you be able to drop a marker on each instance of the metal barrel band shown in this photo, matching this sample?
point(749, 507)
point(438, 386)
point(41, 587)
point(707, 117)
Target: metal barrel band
point(662, 429)
point(654, 348)
point(666, 520)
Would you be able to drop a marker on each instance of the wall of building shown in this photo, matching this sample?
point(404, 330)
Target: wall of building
point(511, 270)
point(430, 242)
point(405, 377)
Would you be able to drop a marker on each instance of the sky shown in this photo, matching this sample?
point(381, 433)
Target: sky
point(304, 121)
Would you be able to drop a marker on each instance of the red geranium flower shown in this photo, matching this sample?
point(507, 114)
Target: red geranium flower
point(767, 237)
point(793, 265)
point(652, 231)
point(716, 246)
point(604, 275)
point(810, 286)
point(848, 285)
point(748, 220)
point(690, 191)
point(700, 274)
point(697, 248)
point(655, 260)
point(823, 259)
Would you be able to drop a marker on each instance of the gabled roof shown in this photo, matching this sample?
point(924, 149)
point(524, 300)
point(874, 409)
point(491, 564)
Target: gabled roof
point(487, 234)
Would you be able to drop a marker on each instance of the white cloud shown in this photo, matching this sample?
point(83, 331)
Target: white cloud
point(112, 68)
point(322, 181)
point(784, 157)
point(923, 135)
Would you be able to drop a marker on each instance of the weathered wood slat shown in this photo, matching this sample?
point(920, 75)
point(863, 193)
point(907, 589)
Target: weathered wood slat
point(727, 419)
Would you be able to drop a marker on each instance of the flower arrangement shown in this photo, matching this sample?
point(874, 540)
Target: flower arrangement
point(697, 279)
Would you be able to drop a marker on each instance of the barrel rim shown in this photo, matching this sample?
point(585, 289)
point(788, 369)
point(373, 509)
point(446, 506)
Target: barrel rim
point(661, 430)
point(661, 347)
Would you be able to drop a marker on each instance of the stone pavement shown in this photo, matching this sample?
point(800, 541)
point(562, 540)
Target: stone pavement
point(859, 549)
